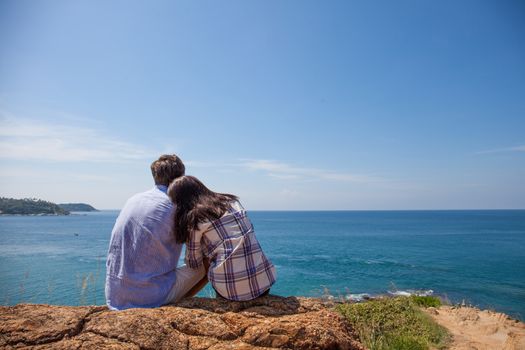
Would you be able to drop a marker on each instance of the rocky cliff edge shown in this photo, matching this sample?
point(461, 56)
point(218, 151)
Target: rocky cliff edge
point(195, 323)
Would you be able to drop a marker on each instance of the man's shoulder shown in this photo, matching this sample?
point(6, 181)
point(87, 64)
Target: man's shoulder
point(153, 194)
point(150, 200)
point(146, 211)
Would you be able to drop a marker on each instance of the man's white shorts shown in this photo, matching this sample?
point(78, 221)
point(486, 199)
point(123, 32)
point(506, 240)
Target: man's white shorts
point(185, 280)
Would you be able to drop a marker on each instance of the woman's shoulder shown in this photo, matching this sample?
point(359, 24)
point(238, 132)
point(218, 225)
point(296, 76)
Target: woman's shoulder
point(236, 206)
point(234, 212)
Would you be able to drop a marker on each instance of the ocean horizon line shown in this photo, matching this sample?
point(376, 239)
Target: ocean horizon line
point(367, 210)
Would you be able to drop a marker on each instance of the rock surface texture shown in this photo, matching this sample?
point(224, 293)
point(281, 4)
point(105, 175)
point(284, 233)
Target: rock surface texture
point(195, 323)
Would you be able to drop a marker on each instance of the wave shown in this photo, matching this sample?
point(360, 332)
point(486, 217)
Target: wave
point(409, 292)
point(358, 297)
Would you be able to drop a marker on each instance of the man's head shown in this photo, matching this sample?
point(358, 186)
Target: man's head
point(166, 169)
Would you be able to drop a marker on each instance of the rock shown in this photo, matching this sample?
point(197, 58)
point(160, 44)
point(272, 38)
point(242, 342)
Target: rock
point(38, 324)
point(194, 323)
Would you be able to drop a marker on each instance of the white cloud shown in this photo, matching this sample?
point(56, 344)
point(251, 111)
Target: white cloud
point(286, 171)
point(28, 174)
point(289, 193)
point(520, 148)
point(201, 164)
point(284, 176)
point(27, 139)
point(280, 170)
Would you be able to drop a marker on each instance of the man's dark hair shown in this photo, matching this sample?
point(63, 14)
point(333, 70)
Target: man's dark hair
point(166, 169)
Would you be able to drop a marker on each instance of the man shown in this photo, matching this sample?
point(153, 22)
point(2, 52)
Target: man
point(142, 258)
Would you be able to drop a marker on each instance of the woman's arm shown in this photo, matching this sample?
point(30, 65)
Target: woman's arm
point(194, 257)
point(197, 287)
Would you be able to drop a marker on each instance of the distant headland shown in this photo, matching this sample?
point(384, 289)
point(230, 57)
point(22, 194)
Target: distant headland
point(35, 206)
point(77, 207)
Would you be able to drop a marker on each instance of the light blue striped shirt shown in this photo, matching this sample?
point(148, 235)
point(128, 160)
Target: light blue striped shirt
point(142, 255)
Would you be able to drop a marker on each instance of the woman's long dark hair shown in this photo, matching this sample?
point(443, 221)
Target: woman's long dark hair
point(195, 203)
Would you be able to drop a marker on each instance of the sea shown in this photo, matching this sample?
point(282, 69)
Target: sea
point(471, 257)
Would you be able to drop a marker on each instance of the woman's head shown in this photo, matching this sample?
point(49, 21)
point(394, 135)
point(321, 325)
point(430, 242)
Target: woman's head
point(187, 190)
point(195, 203)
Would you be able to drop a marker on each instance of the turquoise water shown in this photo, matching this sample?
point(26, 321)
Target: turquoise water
point(476, 256)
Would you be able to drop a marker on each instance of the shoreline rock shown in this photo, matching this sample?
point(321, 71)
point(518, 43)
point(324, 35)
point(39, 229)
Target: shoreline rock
point(195, 323)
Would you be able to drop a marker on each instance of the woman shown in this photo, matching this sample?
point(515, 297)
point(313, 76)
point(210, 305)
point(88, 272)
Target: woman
point(215, 227)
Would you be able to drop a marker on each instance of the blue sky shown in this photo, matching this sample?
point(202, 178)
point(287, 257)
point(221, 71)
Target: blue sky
point(288, 104)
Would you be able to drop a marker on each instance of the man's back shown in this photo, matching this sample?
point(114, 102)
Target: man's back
point(142, 255)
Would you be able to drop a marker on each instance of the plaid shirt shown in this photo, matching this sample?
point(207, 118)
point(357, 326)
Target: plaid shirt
point(239, 270)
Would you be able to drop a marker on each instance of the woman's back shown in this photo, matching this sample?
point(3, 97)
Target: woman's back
point(239, 270)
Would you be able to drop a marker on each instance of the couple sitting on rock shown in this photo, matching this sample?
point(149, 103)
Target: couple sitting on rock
point(147, 238)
